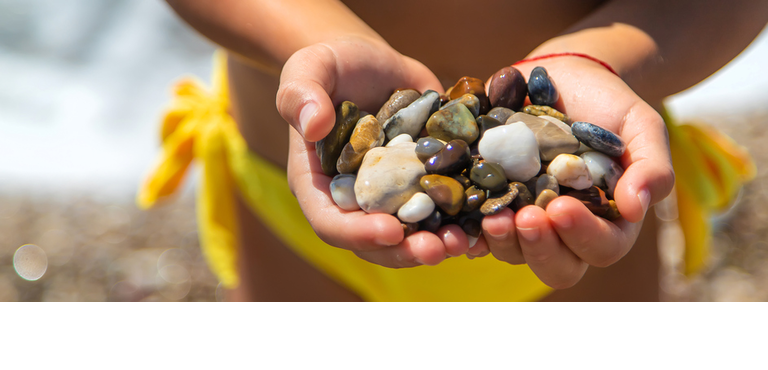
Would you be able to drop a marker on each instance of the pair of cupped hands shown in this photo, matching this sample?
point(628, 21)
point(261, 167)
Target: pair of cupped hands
point(558, 243)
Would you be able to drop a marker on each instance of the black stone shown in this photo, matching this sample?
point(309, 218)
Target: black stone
point(541, 88)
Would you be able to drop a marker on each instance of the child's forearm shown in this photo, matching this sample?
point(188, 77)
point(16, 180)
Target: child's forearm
point(268, 32)
point(661, 47)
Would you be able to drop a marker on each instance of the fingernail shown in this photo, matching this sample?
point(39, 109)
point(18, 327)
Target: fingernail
point(306, 113)
point(501, 236)
point(644, 196)
point(529, 234)
point(472, 241)
point(562, 220)
point(384, 243)
point(418, 261)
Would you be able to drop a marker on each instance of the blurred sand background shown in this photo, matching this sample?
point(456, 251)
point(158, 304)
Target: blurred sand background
point(82, 85)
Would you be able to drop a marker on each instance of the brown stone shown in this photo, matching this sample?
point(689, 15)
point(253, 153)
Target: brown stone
point(447, 193)
point(474, 86)
point(367, 135)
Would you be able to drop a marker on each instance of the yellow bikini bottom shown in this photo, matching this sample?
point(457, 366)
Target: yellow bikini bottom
point(710, 172)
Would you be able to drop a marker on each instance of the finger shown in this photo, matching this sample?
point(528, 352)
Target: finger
point(420, 248)
point(479, 249)
point(454, 239)
point(500, 235)
point(303, 98)
point(593, 239)
point(546, 255)
point(649, 175)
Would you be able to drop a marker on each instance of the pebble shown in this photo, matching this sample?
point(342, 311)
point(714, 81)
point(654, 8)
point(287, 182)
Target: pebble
point(493, 206)
point(468, 100)
point(446, 192)
point(432, 223)
point(454, 122)
point(426, 147)
point(402, 138)
point(541, 88)
point(599, 139)
point(547, 182)
point(367, 135)
point(500, 114)
point(597, 203)
point(463, 180)
point(388, 177)
point(474, 86)
point(543, 110)
point(545, 197)
point(484, 123)
point(419, 207)
point(475, 197)
point(552, 138)
point(473, 228)
point(570, 171)
point(343, 192)
point(454, 157)
point(488, 175)
point(409, 228)
point(411, 119)
point(524, 197)
point(507, 88)
point(399, 100)
point(329, 148)
point(605, 171)
point(514, 147)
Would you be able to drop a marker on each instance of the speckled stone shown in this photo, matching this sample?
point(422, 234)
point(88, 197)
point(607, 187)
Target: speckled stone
point(329, 148)
point(454, 122)
point(343, 192)
point(411, 119)
point(570, 171)
point(547, 182)
point(597, 203)
point(604, 171)
point(500, 114)
point(367, 135)
point(468, 100)
point(419, 207)
point(432, 223)
point(485, 123)
point(402, 138)
point(489, 176)
point(514, 147)
point(453, 158)
point(552, 138)
point(543, 110)
point(426, 147)
point(507, 88)
point(475, 197)
point(388, 177)
point(495, 205)
point(398, 100)
point(545, 197)
point(524, 197)
point(474, 86)
point(599, 139)
point(446, 192)
point(541, 88)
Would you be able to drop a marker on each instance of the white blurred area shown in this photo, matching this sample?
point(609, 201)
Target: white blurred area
point(83, 84)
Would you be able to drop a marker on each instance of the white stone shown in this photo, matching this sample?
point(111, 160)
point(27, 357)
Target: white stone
point(402, 138)
point(419, 207)
point(514, 147)
point(343, 192)
point(411, 119)
point(605, 171)
point(388, 177)
point(570, 171)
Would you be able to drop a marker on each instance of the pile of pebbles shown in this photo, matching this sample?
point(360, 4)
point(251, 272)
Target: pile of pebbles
point(434, 159)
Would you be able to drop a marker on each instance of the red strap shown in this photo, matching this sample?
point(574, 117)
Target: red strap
point(580, 55)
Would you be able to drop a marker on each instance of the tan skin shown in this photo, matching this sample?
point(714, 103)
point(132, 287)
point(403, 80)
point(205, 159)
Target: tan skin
point(322, 47)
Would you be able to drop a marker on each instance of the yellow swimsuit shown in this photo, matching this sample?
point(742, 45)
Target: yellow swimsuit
point(197, 126)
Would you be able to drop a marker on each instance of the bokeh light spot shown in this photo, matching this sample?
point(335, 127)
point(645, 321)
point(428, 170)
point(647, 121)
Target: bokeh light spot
point(30, 262)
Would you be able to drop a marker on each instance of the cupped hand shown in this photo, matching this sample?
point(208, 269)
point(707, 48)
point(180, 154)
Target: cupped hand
point(559, 243)
point(365, 71)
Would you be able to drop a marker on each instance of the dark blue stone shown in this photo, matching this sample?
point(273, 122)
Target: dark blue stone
point(541, 88)
point(432, 222)
point(599, 139)
point(453, 158)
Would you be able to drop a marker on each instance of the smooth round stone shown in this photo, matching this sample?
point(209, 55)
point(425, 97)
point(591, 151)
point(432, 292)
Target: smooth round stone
point(485, 123)
point(411, 119)
point(343, 192)
point(541, 88)
point(524, 197)
point(463, 180)
point(473, 228)
point(500, 114)
point(553, 138)
point(388, 177)
point(495, 205)
point(489, 175)
point(398, 100)
point(514, 147)
point(330, 147)
point(468, 100)
point(597, 203)
point(507, 88)
point(543, 110)
point(367, 135)
point(599, 139)
point(475, 197)
point(556, 121)
point(453, 158)
point(570, 171)
point(545, 197)
point(454, 122)
point(402, 138)
point(419, 207)
point(432, 223)
point(446, 192)
point(409, 228)
point(474, 86)
point(547, 182)
point(426, 147)
point(605, 171)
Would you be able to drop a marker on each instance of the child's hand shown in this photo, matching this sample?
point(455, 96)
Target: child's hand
point(365, 72)
point(558, 244)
